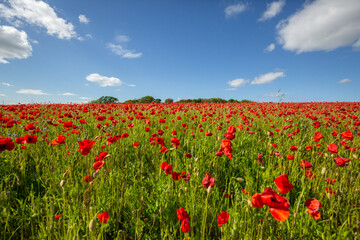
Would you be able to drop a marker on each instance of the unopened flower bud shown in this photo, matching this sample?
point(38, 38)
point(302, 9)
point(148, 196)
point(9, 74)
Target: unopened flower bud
point(62, 183)
point(323, 171)
point(92, 225)
point(240, 179)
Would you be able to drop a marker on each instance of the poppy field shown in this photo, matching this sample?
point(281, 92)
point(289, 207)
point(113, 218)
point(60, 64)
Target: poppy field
point(180, 171)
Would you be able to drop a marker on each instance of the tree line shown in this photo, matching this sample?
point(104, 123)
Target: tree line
point(150, 99)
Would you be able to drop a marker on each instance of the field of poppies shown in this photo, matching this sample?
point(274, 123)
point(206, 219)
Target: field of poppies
point(180, 171)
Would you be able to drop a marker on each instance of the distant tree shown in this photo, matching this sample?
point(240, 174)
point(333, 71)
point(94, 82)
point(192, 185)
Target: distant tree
point(146, 99)
point(169, 100)
point(105, 99)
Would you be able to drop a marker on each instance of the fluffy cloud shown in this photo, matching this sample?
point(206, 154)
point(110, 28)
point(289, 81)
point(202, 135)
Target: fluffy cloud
point(119, 49)
point(7, 84)
point(346, 80)
point(123, 52)
point(267, 78)
point(83, 19)
point(68, 94)
point(237, 83)
point(31, 92)
point(322, 25)
point(235, 9)
point(270, 48)
point(278, 94)
point(13, 44)
point(104, 81)
point(40, 14)
point(272, 10)
point(85, 98)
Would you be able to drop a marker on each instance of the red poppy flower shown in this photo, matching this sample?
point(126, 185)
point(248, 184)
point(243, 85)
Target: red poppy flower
point(30, 138)
point(58, 140)
point(176, 176)
point(182, 214)
point(102, 156)
point(223, 218)
point(188, 155)
point(309, 147)
point(283, 184)
point(185, 225)
point(347, 135)
point(290, 157)
point(329, 190)
point(256, 201)
point(185, 176)
point(208, 181)
point(293, 148)
point(6, 144)
point(20, 140)
point(226, 143)
point(98, 165)
point(332, 148)
point(313, 206)
point(341, 161)
point(163, 149)
point(309, 174)
point(167, 168)
point(318, 136)
point(278, 205)
point(85, 146)
point(136, 144)
point(57, 217)
point(87, 178)
point(305, 164)
point(103, 217)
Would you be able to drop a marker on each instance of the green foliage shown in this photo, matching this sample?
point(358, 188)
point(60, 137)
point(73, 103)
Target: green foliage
point(105, 99)
point(169, 100)
point(212, 100)
point(157, 100)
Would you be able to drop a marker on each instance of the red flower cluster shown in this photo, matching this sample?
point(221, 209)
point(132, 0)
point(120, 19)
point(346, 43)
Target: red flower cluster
point(184, 218)
point(278, 205)
point(313, 206)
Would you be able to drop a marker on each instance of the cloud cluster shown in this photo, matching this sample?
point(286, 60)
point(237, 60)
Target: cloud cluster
point(235, 9)
point(262, 79)
point(270, 48)
point(13, 44)
point(321, 25)
point(346, 80)
point(119, 49)
point(104, 81)
point(31, 92)
point(83, 19)
point(40, 14)
point(272, 10)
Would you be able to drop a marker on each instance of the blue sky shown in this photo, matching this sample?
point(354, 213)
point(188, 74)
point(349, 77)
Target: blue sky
point(76, 51)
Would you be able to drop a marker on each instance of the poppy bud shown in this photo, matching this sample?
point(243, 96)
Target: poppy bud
point(208, 189)
point(65, 173)
point(92, 225)
point(190, 166)
point(186, 189)
point(62, 183)
point(323, 171)
point(240, 179)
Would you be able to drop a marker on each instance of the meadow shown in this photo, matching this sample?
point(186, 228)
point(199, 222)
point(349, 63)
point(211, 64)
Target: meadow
point(180, 171)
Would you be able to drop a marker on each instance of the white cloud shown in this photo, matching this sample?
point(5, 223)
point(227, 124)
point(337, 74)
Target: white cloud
point(346, 80)
point(83, 19)
point(122, 38)
point(270, 48)
point(2, 95)
point(85, 98)
point(230, 89)
point(235, 9)
point(240, 82)
point(131, 85)
point(13, 44)
point(104, 81)
point(278, 94)
point(31, 92)
point(267, 78)
point(272, 10)
point(68, 94)
point(322, 25)
point(121, 51)
point(7, 84)
point(40, 14)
